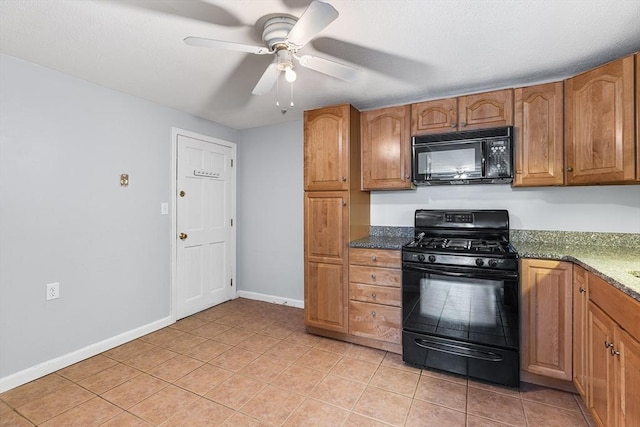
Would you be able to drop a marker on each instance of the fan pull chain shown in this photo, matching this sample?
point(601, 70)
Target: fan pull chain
point(277, 92)
point(291, 104)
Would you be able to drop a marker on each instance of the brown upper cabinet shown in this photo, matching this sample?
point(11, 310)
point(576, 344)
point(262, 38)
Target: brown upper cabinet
point(386, 148)
point(600, 125)
point(481, 110)
point(327, 133)
point(539, 154)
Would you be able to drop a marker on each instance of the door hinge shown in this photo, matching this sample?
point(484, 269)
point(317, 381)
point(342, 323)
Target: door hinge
point(232, 222)
point(231, 282)
point(231, 162)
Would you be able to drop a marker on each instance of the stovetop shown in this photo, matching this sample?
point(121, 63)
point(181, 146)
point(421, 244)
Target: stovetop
point(478, 239)
point(461, 244)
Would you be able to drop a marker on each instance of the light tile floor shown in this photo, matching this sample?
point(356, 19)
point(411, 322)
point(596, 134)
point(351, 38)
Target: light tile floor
point(249, 363)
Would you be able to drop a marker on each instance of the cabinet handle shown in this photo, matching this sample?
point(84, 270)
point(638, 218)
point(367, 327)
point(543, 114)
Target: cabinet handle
point(344, 203)
point(518, 171)
point(373, 258)
point(408, 177)
point(582, 290)
point(614, 352)
point(569, 169)
point(463, 124)
point(453, 125)
point(373, 314)
point(373, 276)
point(607, 344)
point(344, 179)
point(373, 296)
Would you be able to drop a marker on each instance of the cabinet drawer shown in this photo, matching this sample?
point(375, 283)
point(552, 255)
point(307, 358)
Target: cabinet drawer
point(375, 294)
point(375, 276)
point(375, 257)
point(375, 321)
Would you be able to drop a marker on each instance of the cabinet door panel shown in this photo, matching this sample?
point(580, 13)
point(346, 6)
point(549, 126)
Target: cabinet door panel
point(601, 366)
point(547, 318)
point(486, 110)
point(326, 144)
point(580, 351)
point(439, 116)
point(628, 380)
point(539, 135)
point(599, 127)
point(326, 226)
point(386, 148)
point(326, 296)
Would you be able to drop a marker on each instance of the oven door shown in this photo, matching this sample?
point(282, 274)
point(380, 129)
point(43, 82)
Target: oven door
point(447, 161)
point(462, 320)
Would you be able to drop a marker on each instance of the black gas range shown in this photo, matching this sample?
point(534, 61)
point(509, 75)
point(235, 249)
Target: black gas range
point(460, 295)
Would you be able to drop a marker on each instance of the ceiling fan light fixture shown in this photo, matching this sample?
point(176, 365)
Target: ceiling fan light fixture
point(290, 75)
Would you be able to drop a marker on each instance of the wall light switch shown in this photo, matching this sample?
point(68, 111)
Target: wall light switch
point(164, 208)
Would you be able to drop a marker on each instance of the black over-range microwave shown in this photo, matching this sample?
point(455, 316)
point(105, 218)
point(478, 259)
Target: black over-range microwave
point(481, 156)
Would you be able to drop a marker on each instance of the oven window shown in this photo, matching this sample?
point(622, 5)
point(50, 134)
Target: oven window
point(449, 161)
point(482, 311)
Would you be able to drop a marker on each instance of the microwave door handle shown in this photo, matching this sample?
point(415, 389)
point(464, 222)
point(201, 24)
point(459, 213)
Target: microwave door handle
point(484, 161)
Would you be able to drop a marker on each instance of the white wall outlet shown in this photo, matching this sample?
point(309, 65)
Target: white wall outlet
point(53, 291)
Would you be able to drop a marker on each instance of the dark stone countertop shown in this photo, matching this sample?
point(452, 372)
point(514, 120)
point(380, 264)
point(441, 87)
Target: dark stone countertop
point(380, 242)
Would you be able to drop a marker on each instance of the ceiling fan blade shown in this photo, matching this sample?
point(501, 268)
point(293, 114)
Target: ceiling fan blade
point(267, 80)
point(332, 68)
point(221, 44)
point(313, 20)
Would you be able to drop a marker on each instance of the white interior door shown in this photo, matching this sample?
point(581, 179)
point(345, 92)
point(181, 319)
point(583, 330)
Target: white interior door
point(205, 242)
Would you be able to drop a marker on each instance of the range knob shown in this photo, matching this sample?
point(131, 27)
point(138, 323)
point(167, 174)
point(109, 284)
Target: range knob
point(421, 257)
point(493, 263)
point(479, 262)
point(432, 258)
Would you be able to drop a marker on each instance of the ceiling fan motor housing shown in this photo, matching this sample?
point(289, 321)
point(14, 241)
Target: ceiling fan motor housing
point(276, 31)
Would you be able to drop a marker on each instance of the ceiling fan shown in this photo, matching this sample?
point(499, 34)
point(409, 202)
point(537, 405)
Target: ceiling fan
point(283, 36)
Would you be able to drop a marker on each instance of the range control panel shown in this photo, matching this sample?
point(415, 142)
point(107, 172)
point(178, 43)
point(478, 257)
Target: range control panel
point(461, 218)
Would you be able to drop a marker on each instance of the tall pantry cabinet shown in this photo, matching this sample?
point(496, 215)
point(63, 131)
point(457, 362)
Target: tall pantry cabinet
point(336, 211)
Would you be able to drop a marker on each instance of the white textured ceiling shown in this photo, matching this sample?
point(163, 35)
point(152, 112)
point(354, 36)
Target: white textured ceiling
point(408, 50)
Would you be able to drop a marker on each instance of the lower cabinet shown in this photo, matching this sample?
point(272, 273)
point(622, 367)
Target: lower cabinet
point(375, 295)
point(613, 354)
point(546, 321)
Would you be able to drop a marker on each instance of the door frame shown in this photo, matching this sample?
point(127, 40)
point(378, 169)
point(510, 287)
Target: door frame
point(175, 132)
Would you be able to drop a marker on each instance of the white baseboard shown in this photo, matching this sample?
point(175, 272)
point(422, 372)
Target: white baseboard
point(45, 368)
point(270, 298)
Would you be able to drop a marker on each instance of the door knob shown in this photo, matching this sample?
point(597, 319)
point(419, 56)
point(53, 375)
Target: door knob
point(182, 236)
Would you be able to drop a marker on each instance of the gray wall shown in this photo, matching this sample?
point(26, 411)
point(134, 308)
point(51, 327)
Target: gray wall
point(270, 212)
point(64, 217)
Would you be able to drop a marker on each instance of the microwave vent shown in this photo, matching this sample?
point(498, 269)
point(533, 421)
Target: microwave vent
point(465, 135)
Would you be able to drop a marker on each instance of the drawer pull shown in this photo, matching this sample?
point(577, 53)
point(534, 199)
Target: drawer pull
point(373, 296)
point(373, 258)
point(373, 314)
point(373, 276)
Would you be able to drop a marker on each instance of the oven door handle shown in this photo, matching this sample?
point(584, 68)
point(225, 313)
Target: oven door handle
point(484, 274)
point(459, 350)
